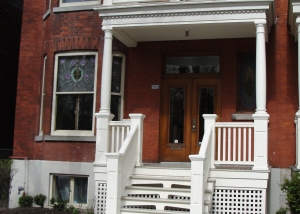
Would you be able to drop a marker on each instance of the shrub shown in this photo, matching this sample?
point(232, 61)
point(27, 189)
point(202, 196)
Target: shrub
point(75, 211)
point(8, 171)
point(26, 201)
point(282, 210)
point(40, 199)
point(292, 189)
point(59, 204)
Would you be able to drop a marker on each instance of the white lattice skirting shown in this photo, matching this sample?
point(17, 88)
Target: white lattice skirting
point(239, 201)
point(101, 198)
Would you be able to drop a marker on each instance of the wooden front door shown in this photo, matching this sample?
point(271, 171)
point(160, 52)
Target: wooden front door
point(184, 101)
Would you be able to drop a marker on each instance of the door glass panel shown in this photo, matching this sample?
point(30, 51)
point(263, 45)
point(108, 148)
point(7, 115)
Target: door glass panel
point(176, 115)
point(206, 106)
point(193, 65)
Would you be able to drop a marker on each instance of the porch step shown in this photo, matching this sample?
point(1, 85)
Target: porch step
point(145, 211)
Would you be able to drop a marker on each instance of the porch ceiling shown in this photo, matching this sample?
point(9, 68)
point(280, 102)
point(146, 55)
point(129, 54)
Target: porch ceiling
point(167, 21)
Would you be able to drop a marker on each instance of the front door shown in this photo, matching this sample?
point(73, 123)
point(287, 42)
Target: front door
point(184, 101)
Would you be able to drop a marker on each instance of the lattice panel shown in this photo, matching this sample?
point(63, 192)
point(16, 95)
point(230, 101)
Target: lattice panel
point(144, 195)
point(179, 197)
point(101, 199)
point(177, 209)
point(238, 201)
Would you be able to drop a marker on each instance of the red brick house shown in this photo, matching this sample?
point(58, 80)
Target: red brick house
point(204, 97)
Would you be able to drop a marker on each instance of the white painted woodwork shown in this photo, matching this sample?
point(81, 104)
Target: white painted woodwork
point(121, 163)
point(235, 143)
point(119, 131)
point(201, 165)
point(106, 72)
point(261, 80)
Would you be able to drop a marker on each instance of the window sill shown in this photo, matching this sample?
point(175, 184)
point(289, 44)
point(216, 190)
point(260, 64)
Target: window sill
point(65, 138)
point(242, 116)
point(74, 8)
point(46, 14)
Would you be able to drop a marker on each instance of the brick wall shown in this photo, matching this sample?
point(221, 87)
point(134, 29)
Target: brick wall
point(82, 31)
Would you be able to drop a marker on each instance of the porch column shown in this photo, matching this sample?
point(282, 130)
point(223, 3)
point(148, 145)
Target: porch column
point(297, 117)
point(104, 116)
point(261, 116)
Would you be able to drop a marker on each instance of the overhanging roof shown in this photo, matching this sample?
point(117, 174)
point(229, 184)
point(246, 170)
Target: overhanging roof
point(165, 21)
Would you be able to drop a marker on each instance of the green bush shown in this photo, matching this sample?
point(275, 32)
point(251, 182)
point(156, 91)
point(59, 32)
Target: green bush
point(40, 199)
point(26, 201)
point(282, 210)
point(75, 211)
point(8, 171)
point(59, 204)
point(292, 189)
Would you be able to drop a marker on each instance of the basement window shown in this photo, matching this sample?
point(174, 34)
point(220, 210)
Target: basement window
point(74, 94)
point(68, 3)
point(71, 188)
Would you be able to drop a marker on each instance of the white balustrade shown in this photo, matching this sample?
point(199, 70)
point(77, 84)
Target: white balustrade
point(121, 162)
point(118, 132)
point(235, 143)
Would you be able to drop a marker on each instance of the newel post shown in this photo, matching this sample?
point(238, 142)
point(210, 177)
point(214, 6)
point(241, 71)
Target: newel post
point(260, 141)
point(102, 136)
point(210, 121)
point(113, 200)
point(138, 119)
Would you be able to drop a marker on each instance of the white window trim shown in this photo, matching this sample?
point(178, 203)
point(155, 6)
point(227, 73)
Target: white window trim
point(52, 189)
point(42, 98)
point(121, 94)
point(61, 4)
point(53, 117)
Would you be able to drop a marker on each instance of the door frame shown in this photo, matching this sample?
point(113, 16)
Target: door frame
point(191, 82)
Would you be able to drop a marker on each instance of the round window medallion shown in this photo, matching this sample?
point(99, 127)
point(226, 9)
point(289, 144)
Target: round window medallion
point(76, 74)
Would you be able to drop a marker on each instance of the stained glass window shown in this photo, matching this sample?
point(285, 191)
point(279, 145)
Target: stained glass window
point(75, 90)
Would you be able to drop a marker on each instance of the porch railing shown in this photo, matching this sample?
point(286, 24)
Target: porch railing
point(235, 143)
point(200, 166)
point(120, 163)
point(118, 133)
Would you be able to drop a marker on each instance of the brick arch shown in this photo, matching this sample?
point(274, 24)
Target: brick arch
point(77, 43)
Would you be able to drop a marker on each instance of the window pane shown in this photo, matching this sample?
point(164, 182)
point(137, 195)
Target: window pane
point(176, 115)
point(74, 112)
point(80, 190)
point(67, 1)
point(115, 106)
point(76, 73)
point(62, 187)
point(116, 74)
point(199, 64)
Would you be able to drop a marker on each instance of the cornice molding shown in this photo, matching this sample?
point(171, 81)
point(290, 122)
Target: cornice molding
point(166, 14)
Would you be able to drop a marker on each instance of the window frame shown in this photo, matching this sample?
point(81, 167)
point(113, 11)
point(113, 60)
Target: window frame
point(121, 93)
point(54, 100)
point(72, 186)
point(83, 3)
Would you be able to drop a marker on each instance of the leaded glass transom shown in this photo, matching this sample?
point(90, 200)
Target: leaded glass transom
point(193, 65)
point(76, 73)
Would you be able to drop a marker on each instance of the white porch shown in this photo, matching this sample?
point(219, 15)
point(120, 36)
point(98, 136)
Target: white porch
point(119, 144)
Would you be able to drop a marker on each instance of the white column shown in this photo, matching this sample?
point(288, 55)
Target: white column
point(261, 80)
point(106, 72)
point(297, 117)
point(261, 117)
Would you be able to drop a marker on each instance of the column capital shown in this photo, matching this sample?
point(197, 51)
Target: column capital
point(260, 22)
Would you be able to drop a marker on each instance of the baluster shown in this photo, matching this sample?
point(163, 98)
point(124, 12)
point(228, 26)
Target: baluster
point(239, 144)
point(123, 135)
point(249, 145)
point(229, 144)
point(224, 144)
point(113, 139)
point(244, 144)
point(219, 144)
point(118, 139)
point(234, 144)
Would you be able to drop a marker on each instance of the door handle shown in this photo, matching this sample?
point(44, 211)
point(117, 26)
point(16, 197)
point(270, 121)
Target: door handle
point(194, 125)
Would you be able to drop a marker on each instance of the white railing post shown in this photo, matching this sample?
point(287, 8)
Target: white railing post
point(113, 199)
point(260, 141)
point(102, 136)
point(138, 119)
point(210, 122)
point(197, 176)
point(297, 122)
